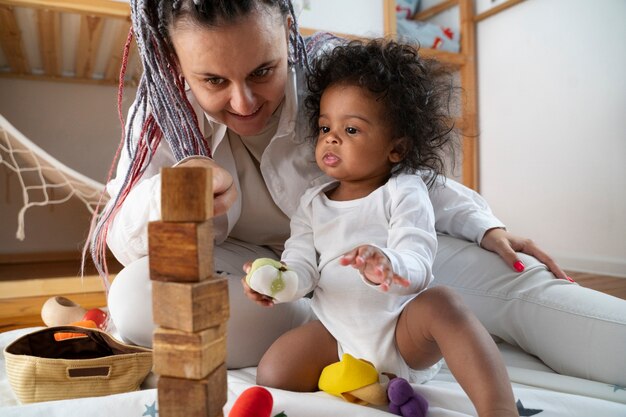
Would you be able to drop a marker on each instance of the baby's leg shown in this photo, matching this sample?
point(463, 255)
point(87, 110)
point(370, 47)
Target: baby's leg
point(295, 361)
point(435, 324)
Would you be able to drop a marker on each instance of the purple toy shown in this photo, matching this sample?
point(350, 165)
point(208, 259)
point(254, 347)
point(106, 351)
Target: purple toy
point(403, 401)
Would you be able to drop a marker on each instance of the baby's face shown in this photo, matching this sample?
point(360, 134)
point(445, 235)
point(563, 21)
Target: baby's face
point(354, 142)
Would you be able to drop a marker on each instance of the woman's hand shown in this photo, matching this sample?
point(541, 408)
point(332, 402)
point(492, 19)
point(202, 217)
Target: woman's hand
point(374, 265)
point(224, 193)
point(505, 244)
point(260, 299)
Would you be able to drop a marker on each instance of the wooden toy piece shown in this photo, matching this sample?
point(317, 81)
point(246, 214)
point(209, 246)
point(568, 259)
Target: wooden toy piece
point(186, 194)
point(61, 311)
point(190, 307)
point(180, 251)
point(188, 355)
point(190, 398)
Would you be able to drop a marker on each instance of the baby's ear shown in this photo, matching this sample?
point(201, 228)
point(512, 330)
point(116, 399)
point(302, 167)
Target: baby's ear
point(399, 150)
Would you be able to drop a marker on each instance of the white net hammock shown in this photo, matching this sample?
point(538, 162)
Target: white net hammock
point(43, 179)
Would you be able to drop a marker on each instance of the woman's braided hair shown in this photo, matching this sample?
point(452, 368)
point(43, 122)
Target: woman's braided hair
point(161, 108)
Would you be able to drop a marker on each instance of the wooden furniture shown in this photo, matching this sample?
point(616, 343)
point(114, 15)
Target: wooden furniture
point(99, 26)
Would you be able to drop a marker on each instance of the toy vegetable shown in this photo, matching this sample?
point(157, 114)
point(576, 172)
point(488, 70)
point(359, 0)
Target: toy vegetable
point(270, 277)
point(403, 401)
point(354, 380)
point(254, 402)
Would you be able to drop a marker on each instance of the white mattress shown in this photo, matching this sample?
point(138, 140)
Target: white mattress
point(538, 390)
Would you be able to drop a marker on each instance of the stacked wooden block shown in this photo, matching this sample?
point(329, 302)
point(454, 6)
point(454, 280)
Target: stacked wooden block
point(190, 304)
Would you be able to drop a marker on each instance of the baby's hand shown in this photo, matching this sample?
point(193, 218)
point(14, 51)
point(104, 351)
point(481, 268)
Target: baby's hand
point(258, 298)
point(374, 266)
point(269, 279)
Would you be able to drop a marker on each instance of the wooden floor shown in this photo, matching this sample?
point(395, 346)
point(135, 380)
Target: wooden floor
point(614, 286)
point(25, 287)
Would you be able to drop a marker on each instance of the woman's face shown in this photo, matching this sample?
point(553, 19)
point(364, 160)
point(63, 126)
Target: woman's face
point(237, 71)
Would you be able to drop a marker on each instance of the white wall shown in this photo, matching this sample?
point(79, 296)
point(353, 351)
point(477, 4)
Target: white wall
point(552, 92)
point(75, 123)
point(355, 17)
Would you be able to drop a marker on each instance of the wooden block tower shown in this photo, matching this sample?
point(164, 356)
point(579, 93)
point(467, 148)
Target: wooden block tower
point(189, 303)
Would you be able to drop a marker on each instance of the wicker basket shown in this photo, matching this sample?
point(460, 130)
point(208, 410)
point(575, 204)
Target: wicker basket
point(40, 368)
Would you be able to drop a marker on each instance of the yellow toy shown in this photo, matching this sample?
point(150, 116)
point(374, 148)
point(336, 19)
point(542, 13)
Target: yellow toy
point(354, 380)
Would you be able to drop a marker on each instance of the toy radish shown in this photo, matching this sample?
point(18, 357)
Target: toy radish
point(254, 402)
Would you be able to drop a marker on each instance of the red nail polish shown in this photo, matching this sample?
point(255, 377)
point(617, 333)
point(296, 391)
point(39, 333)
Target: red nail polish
point(519, 266)
point(569, 279)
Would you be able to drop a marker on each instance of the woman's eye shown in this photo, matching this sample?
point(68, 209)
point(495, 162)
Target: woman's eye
point(214, 81)
point(351, 130)
point(261, 72)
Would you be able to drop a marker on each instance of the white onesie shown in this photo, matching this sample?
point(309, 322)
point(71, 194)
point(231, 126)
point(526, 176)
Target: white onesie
point(398, 218)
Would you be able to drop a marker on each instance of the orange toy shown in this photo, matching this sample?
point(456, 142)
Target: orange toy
point(69, 335)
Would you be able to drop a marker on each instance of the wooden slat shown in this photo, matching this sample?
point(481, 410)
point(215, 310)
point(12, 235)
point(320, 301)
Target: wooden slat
point(49, 287)
point(104, 8)
point(470, 104)
point(30, 257)
point(11, 41)
point(62, 79)
point(390, 22)
point(50, 41)
point(112, 72)
point(497, 9)
point(435, 10)
point(89, 38)
point(12, 323)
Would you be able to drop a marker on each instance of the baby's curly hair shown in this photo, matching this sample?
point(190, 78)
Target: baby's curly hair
point(412, 89)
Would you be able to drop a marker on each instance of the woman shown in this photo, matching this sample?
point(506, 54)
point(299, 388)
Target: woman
point(244, 64)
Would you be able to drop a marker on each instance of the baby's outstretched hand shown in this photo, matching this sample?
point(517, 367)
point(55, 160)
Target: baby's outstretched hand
point(374, 265)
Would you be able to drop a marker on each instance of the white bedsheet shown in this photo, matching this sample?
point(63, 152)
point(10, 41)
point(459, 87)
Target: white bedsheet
point(538, 390)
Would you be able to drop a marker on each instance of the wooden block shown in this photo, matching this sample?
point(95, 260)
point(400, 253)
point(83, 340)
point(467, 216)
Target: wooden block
point(186, 194)
point(190, 307)
point(180, 251)
point(188, 355)
point(190, 398)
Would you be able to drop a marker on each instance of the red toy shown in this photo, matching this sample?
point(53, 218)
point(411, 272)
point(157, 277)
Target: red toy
point(254, 402)
point(97, 316)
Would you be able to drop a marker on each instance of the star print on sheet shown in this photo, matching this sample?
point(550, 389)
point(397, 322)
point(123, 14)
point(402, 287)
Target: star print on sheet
point(523, 411)
point(617, 388)
point(150, 410)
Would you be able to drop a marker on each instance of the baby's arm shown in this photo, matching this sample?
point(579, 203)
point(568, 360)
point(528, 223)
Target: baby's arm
point(411, 242)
